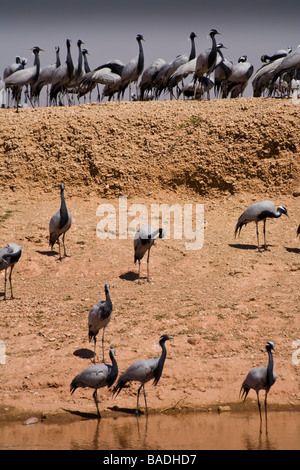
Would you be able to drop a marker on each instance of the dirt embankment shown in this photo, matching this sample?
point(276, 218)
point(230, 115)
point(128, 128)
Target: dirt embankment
point(141, 148)
point(220, 304)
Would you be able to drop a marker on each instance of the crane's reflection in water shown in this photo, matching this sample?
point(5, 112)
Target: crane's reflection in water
point(159, 432)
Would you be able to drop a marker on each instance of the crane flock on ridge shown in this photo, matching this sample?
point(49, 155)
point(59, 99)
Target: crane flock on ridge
point(101, 375)
point(188, 75)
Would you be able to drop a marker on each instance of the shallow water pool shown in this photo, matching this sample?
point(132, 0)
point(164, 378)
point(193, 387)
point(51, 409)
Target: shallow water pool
point(197, 431)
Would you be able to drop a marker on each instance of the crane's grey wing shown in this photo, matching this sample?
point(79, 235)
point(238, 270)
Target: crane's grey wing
point(256, 379)
point(94, 376)
point(141, 371)
point(105, 76)
point(20, 77)
point(99, 317)
point(9, 255)
point(55, 228)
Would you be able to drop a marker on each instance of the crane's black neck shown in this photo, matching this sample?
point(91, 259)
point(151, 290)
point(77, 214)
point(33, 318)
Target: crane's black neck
point(213, 53)
point(63, 210)
point(113, 373)
point(69, 61)
point(161, 363)
point(107, 297)
point(140, 65)
point(86, 64)
point(58, 63)
point(80, 62)
point(37, 64)
point(270, 379)
point(193, 49)
point(220, 53)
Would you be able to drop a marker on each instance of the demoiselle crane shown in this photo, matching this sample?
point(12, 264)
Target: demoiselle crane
point(97, 376)
point(143, 371)
point(237, 81)
point(24, 77)
point(99, 317)
point(206, 60)
point(260, 378)
point(63, 75)
point(143, 241)
point(259, 211)
point(9, 256)
point(132, 70)
point(60, 223)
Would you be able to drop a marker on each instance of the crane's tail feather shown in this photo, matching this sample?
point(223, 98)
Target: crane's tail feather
point(118, 388)
point(244, 392)
point(238, 228)
point(73, 387)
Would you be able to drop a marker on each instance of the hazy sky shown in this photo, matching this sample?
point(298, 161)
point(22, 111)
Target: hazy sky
point(108, 28)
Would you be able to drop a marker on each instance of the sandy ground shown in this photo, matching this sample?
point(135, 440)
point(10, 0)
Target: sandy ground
point(220, 303)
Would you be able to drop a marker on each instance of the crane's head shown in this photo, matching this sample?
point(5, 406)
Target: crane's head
point(243, 58)
point(164, 338)
point(106, 288)
point(283, 210)
point(270, 346)
point(62, 187)
point(193, 35)
point(220, 45)
point(213, 32)
point(140, 38)
point(36, 50)
point(111, 353)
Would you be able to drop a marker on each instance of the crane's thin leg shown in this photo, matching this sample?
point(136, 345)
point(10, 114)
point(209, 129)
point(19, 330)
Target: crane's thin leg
point(96, 401)
point(11, 289)
point(266, 412)
point(148, 265)
point(58, 242)
point(103, 344)
point(257, 235)
point(5, 276)
point(195, 89)
point(259, 408)
point(265, 234)
point(94, 350)
point(145, 398)
point(137, 403)
point(65, 252)
point(139, 271)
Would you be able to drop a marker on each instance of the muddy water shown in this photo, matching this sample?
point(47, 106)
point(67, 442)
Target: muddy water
point(181, 432)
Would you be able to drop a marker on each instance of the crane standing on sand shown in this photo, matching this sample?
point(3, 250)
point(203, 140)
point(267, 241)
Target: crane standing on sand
point(143, 241)
point(143, 371)
point(132, 71)
point(206, 61)
point(24, 77)
point(60, 223)
point(9, 256)
point(97, 376)
point(257, 212)
point(99, 317)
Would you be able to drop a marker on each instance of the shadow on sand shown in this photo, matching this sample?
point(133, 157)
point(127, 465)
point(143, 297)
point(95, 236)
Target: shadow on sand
point(129, 276)
point(84, 353)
